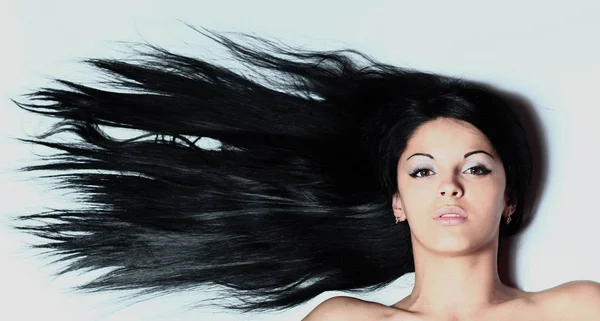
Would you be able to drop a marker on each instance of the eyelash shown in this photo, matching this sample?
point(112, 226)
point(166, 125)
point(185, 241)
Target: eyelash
point(482, 169)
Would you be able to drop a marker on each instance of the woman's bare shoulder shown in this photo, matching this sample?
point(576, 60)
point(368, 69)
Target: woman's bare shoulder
point(348, 309)
point(574, 300)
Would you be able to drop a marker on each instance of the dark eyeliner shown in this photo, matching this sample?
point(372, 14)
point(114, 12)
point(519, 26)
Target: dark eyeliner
point(484, 170)
point(416, 171)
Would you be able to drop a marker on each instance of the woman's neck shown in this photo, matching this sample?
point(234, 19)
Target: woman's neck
point(455, 284)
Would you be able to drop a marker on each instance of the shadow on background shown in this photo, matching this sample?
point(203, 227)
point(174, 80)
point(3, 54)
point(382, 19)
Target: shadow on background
point(537, 142)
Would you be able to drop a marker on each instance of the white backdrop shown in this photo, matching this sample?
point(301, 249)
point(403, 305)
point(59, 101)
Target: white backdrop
point(547, 52)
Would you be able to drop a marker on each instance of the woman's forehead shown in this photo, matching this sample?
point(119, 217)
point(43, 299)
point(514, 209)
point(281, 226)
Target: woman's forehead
point(447, 138)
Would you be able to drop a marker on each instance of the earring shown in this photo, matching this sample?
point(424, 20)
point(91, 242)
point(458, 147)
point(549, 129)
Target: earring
point(508, 219)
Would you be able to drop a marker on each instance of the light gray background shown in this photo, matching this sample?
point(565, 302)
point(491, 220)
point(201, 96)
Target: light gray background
point(545, 51)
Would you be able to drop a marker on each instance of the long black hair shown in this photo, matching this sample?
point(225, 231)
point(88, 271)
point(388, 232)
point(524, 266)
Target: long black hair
point(294, 199)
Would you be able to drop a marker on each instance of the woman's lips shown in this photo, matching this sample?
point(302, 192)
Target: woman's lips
point(450, 209)
point(450, 219)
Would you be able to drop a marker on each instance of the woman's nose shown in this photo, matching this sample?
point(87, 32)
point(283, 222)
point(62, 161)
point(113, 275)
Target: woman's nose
point(451, 188)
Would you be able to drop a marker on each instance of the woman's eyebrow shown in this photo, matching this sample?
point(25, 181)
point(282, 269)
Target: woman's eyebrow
point(466, 155)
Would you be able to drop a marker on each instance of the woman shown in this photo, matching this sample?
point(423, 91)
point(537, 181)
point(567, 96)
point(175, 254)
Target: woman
point(315, 156)
point(455, 257)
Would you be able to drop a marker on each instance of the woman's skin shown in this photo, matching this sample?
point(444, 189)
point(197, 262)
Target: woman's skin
point(455, 265)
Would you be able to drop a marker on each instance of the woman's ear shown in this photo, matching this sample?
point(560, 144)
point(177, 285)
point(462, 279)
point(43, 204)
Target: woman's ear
point(397, 207)
point(511, 204)
point(510, 208)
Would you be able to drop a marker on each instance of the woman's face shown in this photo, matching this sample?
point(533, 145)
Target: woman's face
point(460, 168)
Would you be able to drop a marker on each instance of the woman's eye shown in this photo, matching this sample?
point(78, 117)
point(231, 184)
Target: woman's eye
point(417, 171)
point(479, 170)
